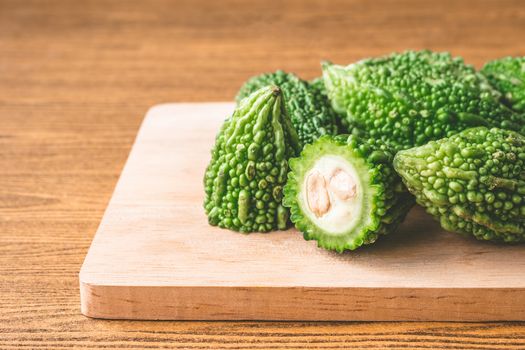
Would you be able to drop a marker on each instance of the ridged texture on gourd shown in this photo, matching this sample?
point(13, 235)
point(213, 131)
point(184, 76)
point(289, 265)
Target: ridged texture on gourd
point(309, 109)
point(385, 201)
point(245, 178)
point(472, 182)
point(407, 99)
point(507, 75)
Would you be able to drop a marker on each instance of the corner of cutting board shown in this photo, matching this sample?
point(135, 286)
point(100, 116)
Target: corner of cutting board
point(93, 297)
point(87, 296)
point(158, 108)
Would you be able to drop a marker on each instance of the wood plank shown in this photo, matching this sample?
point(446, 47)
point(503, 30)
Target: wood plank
point(156, 257)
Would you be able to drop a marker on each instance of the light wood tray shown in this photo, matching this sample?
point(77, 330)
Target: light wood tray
point(155, 256)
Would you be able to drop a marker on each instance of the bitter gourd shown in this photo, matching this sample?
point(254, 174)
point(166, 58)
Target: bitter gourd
point(472, 182)
point(343, 192)
point(245, 178)
point(407, 99)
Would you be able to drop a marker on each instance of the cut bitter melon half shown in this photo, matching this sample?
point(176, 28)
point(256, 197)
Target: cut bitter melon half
point(343, 192)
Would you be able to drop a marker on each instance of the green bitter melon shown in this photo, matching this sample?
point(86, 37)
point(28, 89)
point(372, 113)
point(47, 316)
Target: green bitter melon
point(343, 192)
point(245, 178)
point(407, 99)
point(472, 182)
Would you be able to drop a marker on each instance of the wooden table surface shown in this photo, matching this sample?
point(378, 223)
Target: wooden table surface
point(75, 81)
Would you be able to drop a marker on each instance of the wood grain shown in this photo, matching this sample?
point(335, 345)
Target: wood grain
point(156, 257)
point(75, 81)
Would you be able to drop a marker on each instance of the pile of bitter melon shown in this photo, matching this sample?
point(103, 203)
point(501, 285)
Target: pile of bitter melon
point(344, 157)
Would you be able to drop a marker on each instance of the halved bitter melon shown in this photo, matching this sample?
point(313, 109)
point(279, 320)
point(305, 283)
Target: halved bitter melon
point(343, 192)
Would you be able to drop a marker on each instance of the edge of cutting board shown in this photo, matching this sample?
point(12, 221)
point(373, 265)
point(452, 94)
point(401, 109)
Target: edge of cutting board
point(300, 303)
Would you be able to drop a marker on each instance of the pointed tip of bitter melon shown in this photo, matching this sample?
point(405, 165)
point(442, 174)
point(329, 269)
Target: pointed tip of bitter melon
point(276, 90)
point(343, 192)
point(245, 178)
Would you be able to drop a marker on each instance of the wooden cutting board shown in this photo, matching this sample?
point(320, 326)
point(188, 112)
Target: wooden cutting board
point(155, 256)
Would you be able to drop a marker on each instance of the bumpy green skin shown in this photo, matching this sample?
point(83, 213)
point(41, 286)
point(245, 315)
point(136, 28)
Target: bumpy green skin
point(386, 201)
point(318, 85)
point(245, 178)
point(307, 106)
point(507, 75)
point(472, 182)
point(407, 99)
